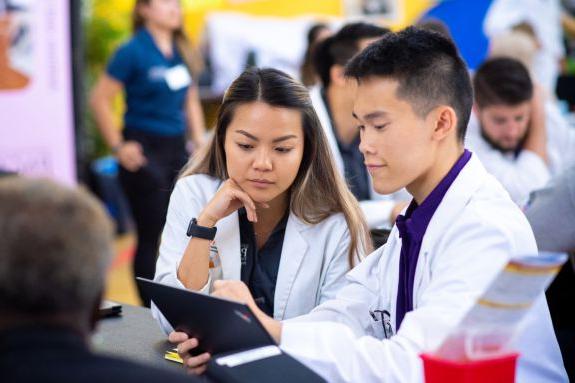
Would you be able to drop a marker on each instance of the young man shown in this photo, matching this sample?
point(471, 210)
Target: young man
point(507, 131)
point(56, 246)
point(412, 108)
point(333, 102)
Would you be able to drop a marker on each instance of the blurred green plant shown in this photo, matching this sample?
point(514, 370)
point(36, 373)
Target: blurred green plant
point(106, 25)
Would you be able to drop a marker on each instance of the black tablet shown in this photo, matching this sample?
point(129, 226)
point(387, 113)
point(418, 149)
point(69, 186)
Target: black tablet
point(220, 325)
point(109, 309)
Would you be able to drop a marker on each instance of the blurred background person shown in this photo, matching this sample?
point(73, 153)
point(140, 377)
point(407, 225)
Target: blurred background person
point(551, 213)
point(434, 25)
point(544, 17)
point(56, 246)
point(521, 44)
point(316, 34)
point(507, 127)
point(155, 69)
point(333, 101)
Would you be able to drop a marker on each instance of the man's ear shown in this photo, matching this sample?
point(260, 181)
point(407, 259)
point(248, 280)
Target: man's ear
point(445, 122)
point(336, 74)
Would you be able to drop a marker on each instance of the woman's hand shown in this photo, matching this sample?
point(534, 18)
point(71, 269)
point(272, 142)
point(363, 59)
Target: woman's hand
point(238, 291)
point(194, 364)
point(229, 198)
point(131, 155)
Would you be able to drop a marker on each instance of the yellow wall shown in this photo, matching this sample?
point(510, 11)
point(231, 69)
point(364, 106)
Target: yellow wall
point(412, 9)
point(118, 11)
point(197, 10)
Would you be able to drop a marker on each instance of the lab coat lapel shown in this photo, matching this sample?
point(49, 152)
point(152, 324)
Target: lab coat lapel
point(471, 177)
point(293, 252)
point(227, 241)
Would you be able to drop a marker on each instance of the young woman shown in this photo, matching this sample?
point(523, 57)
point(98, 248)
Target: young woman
point(265, 200)
point(154, 69)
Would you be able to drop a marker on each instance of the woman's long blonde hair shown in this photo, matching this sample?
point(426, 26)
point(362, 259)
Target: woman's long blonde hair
point(318, 190)
point(191, 56)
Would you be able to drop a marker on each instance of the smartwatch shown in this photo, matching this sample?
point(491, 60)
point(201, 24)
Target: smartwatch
point(197, 231)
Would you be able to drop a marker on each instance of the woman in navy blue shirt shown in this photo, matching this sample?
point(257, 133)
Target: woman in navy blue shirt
point(154, 70)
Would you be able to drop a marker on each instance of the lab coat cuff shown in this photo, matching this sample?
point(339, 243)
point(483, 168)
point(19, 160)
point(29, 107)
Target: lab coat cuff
point(295, 334)
point(204, 290)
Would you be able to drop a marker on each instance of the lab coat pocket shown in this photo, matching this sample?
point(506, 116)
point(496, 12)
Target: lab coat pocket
point(380, 323)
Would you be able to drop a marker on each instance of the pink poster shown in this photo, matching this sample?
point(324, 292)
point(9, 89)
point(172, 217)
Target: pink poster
point(36, 103)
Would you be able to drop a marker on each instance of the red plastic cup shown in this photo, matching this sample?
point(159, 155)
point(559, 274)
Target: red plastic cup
point(493, 370)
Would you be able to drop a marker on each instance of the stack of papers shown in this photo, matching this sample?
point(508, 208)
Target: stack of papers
point(487, 330)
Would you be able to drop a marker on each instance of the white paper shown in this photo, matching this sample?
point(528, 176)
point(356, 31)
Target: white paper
point(489, 326)
point(248, 356)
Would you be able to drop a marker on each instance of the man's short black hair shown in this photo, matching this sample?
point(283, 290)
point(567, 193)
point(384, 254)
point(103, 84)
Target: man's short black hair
point(342, 46)
point(428, 68)
point(502, 81)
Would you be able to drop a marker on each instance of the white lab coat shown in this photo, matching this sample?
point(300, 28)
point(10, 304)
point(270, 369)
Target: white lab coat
point(378, 208)
point(472, 235)
point(519, 175)
point(560, 139)
point(314, 258)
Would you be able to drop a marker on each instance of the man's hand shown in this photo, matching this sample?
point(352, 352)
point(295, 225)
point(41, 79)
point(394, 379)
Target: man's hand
point(193, 364)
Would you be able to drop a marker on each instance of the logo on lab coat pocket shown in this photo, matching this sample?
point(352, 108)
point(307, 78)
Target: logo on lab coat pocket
point(382, 318)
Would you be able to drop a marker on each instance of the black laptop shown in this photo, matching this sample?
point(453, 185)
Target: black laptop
point(241, 349)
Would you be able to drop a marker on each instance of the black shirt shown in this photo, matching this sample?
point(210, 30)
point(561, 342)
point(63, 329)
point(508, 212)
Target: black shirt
point(51, 354)
point(260, 266)
point(356, 173)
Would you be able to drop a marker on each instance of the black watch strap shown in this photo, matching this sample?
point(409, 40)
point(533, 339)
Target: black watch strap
point(196, 231)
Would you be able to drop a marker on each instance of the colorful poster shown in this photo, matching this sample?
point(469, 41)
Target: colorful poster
point(36, 100)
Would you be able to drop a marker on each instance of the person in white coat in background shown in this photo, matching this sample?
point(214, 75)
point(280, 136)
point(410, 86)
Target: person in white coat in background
point(544, 18)
point(333, 102)
point(263, 204)
point(522, 46)
point(412, 108)
point(507, 130)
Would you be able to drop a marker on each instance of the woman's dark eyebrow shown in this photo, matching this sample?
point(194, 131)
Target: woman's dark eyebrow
point(251, 136)
point(283, 138)
point(279, 139)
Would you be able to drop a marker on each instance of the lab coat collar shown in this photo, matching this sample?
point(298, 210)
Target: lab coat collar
point(293, 252)
point(469, 180)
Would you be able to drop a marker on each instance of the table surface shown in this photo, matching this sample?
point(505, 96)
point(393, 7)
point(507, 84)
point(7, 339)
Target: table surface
point(134, 335)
